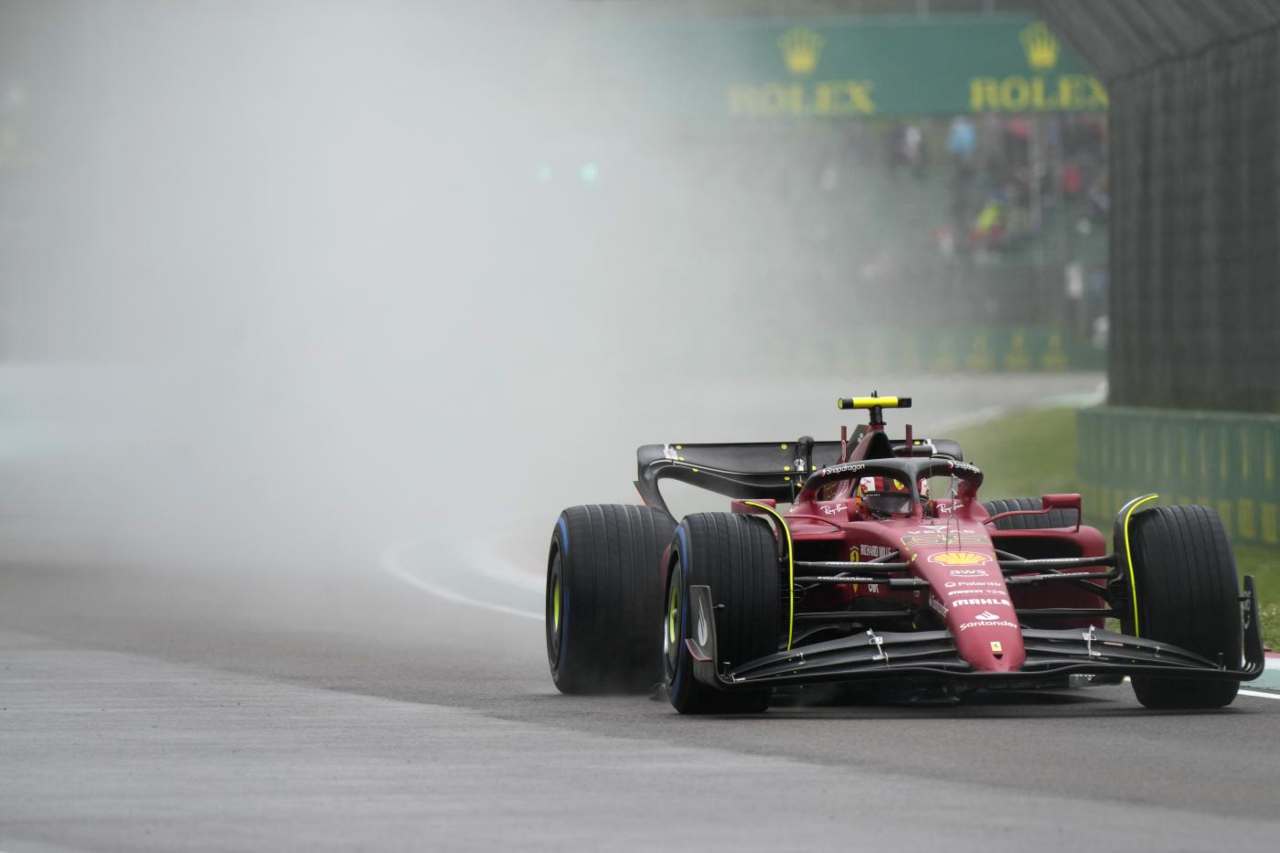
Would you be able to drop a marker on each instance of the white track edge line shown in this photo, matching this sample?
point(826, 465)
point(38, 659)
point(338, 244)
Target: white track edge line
point(1258, 694)
point(496, 566)
point(391, 563)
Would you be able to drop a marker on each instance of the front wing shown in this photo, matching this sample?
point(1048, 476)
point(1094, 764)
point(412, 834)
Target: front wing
point(932, 656)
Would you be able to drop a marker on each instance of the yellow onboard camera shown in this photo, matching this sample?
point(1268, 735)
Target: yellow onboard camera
point(873, 403)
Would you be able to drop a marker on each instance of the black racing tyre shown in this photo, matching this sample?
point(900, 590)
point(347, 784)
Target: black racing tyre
point(737, 556)
point(1054, 518)
point(1188, 596)
point(603, 597)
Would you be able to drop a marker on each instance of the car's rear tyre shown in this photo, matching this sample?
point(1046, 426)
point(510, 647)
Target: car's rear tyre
point(737, 556)
point(603, 597)
point(1188, 595)
point(1054, 518)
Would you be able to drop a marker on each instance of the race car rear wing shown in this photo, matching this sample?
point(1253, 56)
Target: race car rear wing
point(776, 469)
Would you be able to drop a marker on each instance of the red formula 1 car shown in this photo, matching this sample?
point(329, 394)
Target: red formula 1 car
point(887, 570)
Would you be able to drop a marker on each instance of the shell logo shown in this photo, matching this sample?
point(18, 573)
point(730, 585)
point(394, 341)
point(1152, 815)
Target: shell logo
point(960, 558)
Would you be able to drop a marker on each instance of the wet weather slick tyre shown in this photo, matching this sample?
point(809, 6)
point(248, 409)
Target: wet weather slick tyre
point(1187, 595)
point(603, 597)
point(737, 556)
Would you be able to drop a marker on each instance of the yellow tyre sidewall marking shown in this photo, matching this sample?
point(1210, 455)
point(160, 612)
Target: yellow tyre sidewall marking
point(791, 568)
point(1128, 556)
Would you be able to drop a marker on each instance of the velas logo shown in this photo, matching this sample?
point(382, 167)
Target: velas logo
point(960, 558)
point(801, 49)
point(1040, 46)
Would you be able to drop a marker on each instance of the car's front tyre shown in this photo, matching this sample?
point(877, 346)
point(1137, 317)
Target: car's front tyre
point(1188, 596)
point(736, 556)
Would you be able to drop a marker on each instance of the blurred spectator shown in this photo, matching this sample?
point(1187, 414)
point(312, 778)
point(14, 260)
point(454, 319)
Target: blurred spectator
point(962, 142)
point(913, 149)
point(906, 149)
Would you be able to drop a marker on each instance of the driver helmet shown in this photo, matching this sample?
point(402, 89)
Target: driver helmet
point(881, 497)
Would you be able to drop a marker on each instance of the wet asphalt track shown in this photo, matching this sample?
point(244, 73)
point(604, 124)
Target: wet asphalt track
point(134, 719)
point(336, 705)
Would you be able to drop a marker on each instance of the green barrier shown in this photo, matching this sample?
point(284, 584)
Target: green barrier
point(1011, 350)
point(1228, 461)
point(973, 349)
point(980, 350)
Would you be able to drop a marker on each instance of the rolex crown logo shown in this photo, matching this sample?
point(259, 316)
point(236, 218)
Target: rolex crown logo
point(800, 50)
point(1040, 45)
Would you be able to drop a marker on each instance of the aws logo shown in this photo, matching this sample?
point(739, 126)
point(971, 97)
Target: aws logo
point(801, 50)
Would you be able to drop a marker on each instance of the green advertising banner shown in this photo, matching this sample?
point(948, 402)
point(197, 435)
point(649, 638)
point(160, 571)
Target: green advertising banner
point(849, 68)
point(1225, 460)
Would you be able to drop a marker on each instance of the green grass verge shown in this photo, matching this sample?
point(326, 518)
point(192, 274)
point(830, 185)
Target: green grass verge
point(1031, 453)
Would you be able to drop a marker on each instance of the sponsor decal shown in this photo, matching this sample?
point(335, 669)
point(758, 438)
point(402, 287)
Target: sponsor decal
point(873, 588)
point(801, 48)
point(1000, 623)
point(960, 558)
point(969, 573)
point(704, 630)
point(834, 509)
point(981, 602)
point(839, 470)
point(872, 552)
point(987, 616)
point(942, 536)
point(967, 588)
point(996, 648)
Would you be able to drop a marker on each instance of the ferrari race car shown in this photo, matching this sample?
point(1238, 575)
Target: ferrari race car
point(887, 570)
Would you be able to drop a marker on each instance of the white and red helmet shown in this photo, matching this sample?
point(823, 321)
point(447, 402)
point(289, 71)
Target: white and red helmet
point(883, 496)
